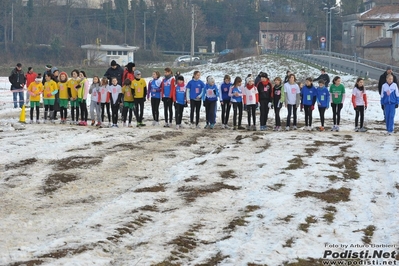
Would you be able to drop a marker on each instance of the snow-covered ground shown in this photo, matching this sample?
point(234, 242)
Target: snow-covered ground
point(157, 196)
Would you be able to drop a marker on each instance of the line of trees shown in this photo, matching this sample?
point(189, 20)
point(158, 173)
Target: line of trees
point(43, 31)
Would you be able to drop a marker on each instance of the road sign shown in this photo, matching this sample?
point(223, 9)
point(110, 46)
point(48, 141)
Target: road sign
point(323, 39)
point(309, 38)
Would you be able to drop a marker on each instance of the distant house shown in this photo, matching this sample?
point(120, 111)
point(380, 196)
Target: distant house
point(371, 32)
point(395, 43)
point(101, 54)
point(282, 35)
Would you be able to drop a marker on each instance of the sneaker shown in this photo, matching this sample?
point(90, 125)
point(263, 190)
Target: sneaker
point(52, 121)
point(241, 127)
point(142, 124)
point(305, 128)
point(154, 123)
point(295, 128)
point(321, 129)
point(337, 128)
point(279, 128)
point(333, 128)
point(130, 125)
point(98, 124)
point(212, 126)
point(253, 128)
point(93, 122)
point(362, 129)
point(356, 129)
point(177, 127)
point(197, 127)
point(226, 126)
point(37, 122)
point(206, 126)
point(248, 127)
point(157, 123)
point(31, 122)
point(166, 125)
point(234, 127)
point(287, 128)
point(222, 126)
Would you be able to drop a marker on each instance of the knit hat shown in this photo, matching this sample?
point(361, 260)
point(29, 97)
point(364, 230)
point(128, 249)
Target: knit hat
point(210, 80)
point(389, 68)
point(64, 73)
point(38, 78)
point(19, 65)
point(53, 69)
point(264, 75)
point(137, 72)
point(113, 63)
point(29, 68)
point(249, 79)
point(49, 66)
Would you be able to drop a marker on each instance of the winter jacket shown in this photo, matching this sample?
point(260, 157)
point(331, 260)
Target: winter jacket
point(324, 77)
point(250, 95)
point(265, 90)
point(383, 80)
point(278, 96)
point(224, 91)
point(323, 97)
point(389, 94)
point(17, 79)
point(194, 89)
point(210, 93)
point(309, 95)
point(114, 73)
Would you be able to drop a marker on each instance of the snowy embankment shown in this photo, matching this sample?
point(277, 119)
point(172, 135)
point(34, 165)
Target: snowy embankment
point(156, 196)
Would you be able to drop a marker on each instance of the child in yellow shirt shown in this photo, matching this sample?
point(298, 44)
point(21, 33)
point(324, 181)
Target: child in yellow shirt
point(139, 87)
point(63, 94)
point(128, 101)
point(34, 90)
point(49, 92)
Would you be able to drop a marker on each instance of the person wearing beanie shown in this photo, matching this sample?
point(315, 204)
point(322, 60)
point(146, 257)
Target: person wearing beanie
point(128, 72)
point(167, 86)
point(210, 96)
point(225, 100)
point(73, 96)
point(115, 71)
point(63, 96)
point(179, 98)
point(139, 87)
point(154, 89)
point(250, 99)
point(17, 80)
point(35, 89)
point(265, 99)
point(30, 77)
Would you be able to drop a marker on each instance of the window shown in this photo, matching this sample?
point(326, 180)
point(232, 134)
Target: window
point(124, 52)
point(109, 53)
point(119, 52)
point(271, 37)
point(397, 39)
point(295, 37)
point(114, 52)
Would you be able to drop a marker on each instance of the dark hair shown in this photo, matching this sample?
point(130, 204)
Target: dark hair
point(157, 74)
point(180, 77)
point(84, 73)
point(357, 85)
point(323, 70)
point(195, 73)
point(168, 70)
point(104, 81)
point(321, 81)
point(335, 79)
point(127, 82)
point(309, 79)
point(97, 78)
point(227, 77)
point(236, 81)
point(76, 71)
point(291, 75)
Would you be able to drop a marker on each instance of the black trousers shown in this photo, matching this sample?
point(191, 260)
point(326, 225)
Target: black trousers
point(264, 112)
point(179, 108)
point(195, 106)
point(155, 108)
point(322, 110)
point(37, 113)
point(115, 111)
point(139, 109)
point(359, 112)
point(168, 110)
point(277, 116)
point(106, 105)
point(308, 115)
point(336, 108)
point(291, 110)
point(237, 107)
point(84, 113)
point(251, 109)
point(210, 112)
point(226, 106)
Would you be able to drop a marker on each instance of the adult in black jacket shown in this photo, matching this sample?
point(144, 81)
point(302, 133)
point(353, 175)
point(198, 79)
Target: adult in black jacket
point(323, 76)
point(115, 71)
point(265, 99)
point(383, 78)
point(17, 80)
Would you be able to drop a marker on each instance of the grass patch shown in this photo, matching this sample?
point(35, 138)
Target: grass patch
point(349, 166)
point(397, 186)
point(332, 177)
point(311, 151)
point(26, 162)
point(295, 163)
point(57, 180)
point(276, 186)
point(228, 174)
point(202, 163)
point(305, 226)
point(191, 179)
point(287, 218)
point(125, 147)
point(190, 194)
point(167, 135)
point(368, 234)
point(74, 162)
point(240, 220)
point(329, 196)
point(288, 243)
point(157, 188)
point(329, 215)
point(97, 143)
point(65, 252)
point(219, 149)
point(264, 147)
point(214, 260)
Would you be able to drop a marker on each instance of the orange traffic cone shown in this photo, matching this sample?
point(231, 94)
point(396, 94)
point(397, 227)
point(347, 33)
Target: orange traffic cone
point(22, 115)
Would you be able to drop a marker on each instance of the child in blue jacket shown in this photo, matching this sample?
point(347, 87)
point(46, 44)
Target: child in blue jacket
point(235, 93)
point(210, 95)
point(225, 100)
point(390, 101)
point(323, 101)
point(309, 96)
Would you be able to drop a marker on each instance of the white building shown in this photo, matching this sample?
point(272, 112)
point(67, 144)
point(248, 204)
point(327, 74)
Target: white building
point(102, 54)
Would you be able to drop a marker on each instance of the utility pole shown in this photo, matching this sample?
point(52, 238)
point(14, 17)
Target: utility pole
point(192, 33)
point(145, 34)
point(12, 21)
